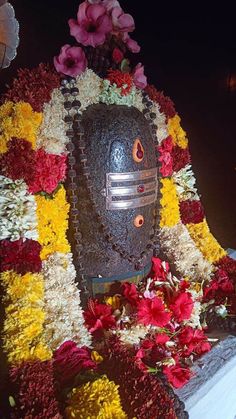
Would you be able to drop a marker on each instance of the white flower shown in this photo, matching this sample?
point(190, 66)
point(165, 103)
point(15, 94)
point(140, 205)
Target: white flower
point(64, 316)
point(90, 87)
point(52, 133)
point(17, 211)
point(132, 335)
point(180, 248)
point(160, 122)
point(221, 311)
point(185, 184)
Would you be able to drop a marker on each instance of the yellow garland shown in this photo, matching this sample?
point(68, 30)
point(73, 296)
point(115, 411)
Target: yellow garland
point(18, 120)
point(52, 217)
point(177, 133)
point(205, 241)
point(170, 215)
point(95, 400)
point(23, 325)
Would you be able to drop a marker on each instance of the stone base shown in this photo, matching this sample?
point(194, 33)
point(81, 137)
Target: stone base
point(211, 393)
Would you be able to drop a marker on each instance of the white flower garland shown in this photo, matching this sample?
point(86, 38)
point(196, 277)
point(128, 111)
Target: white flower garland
point(183, 253)
point(17, 211)
point(185, 184)
point(64, 318)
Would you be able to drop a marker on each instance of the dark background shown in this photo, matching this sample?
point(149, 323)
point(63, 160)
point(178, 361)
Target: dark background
point(190, 54)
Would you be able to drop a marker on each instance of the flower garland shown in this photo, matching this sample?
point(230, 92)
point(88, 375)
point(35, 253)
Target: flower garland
point(25, 316)
point(98, 399)
point(18, 120)
point(17, 211)
point(154, 327)
point(52, 217)
point(64, 319)
point(169, 204)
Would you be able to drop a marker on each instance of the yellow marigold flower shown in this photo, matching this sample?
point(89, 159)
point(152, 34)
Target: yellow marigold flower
point(177, 133)
point(52, 217)
point(95, 400)
point(96, 357)
point(206, 242)
point(170, 215)
point(20, 121)
point(23, 326)
point(113, 301)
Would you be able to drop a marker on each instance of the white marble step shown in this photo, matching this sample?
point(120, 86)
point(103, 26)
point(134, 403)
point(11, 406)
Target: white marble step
point(211, 393)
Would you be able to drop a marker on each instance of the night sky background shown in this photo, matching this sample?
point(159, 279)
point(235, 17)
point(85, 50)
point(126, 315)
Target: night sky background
point(190, 54)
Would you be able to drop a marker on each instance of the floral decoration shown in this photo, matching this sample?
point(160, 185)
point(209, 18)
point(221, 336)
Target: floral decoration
point(191, 212)
point(18, 120)
point(34, 86)
point(169, 204)
point(71, 61)
point(20, 256)
point(176, 132)
point(98, 399)
point(52, 217)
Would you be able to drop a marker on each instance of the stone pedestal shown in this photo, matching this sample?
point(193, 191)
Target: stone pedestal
point(211, 393)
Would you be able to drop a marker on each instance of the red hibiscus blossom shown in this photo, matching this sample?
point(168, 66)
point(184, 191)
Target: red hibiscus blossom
point(182, 306)
point(99, 316)
point(159, 270)
point(92, 24)
point(177, 375)
point(69, 360)
point(152, 312)
point(130, 292)
point(193, 340)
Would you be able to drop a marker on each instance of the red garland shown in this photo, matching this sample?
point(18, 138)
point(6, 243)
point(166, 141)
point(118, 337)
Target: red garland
point(191, 212)
point(50, 169)
point(142, 395)
point(69, 360)
point(34, 86)
point(181, 157)
point(123, 80)
point(165, 103)
point(21, 256)
point(34, 391)
point(19, 161)
point(229, 265)
point(165, 157)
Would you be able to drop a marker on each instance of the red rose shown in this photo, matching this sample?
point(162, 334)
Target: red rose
point(181, 157)
point(99, 316)
point(177, 375)
point(117, 55)
point(182, 306)
point(221, 286)
point(152, 312)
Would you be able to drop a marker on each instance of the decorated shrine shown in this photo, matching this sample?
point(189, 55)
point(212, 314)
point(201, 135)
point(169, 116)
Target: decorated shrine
point(111, 280)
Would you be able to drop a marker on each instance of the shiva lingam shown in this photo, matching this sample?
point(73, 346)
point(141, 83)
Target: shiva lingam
point(113, 191)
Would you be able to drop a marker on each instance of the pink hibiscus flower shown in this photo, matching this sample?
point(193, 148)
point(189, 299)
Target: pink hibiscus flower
point(122, 22)
point(92, 24)
point(71, 61)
